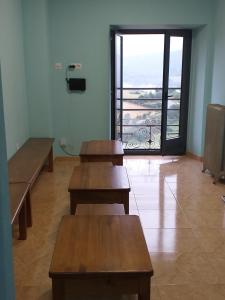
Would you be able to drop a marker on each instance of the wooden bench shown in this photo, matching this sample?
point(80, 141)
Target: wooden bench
point(27, 162)
point(20, 206)
point(100, 209)
point(23, 169)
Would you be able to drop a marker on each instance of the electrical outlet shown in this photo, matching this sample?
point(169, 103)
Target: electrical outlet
point(63, 142)
point(58, 66)
point(17, 146)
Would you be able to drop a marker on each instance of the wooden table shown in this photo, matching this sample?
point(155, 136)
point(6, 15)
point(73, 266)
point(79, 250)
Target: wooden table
point(100, 209)
point(99, 185)
point(20, 206)
point(100, 255)
point(102, 151)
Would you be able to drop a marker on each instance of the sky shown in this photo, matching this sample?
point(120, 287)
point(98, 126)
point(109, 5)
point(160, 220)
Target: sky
point(141, 44)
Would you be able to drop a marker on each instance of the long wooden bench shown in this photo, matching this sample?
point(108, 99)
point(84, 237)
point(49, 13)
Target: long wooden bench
point(23, 169)
point(27, 162)
point(20, 207)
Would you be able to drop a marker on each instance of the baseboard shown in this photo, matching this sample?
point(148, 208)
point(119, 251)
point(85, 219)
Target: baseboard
point(67, 158)
point(194, 156)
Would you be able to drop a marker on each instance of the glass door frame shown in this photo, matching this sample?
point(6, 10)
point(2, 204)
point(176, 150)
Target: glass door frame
point(165, 148)
point(176, 146)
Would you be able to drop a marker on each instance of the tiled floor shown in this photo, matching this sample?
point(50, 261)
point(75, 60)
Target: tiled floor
point(182, 215)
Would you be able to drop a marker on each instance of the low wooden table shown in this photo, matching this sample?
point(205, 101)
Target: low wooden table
point(105, 150)
point(100, 255)
point(20, 206)
point(100, 209)
point(99, 185)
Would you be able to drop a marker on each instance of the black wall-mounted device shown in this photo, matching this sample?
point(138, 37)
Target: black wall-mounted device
point(76, 84)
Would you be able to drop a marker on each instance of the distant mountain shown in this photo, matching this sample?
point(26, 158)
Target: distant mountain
point(147, 70)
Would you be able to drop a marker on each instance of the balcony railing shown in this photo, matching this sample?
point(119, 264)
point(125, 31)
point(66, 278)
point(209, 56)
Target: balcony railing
point(141, 117)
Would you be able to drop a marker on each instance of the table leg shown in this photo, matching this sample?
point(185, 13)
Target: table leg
point(126, 203)
point(23, 222)
point(73, 205)
point(58, 289)
point(145, 290)
point(117, 161)
point(50, 161)
point(120, 161)
point(28, 209)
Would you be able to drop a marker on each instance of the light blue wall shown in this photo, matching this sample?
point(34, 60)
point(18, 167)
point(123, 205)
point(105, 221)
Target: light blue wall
point(200, 86)
point(6, 277)
point(38, 67)
point(13, 74)
point(196, 104)
point(218, 87)
point(78, 31)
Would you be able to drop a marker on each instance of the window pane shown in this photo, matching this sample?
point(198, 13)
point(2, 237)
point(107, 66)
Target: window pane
point(174, 94)
point(143, 60)
point(142, 104)
point(176, 56)
point(142, 94)
point(173, 104)
point(172, 132)
point(141, 117)
point(118, 117)
point(118, 133)
point(173, 117)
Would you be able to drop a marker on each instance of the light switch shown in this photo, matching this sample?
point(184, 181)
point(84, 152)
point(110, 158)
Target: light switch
point(58, 66)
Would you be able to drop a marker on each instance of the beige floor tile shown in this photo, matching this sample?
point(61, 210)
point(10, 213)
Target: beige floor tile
point(206, 218)
point(202, 201)
point(163, 219)
point(132, 204)
point(133, 212)
point(146, 203)
point(33, 293)
point(192, 292)
point(176, 292)
point(218, 262)
point(172, 240)
point(183, 268)
point(152, 191)
point(211, 240)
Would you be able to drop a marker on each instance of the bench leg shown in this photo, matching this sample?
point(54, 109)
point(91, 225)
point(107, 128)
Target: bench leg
point(23, 222)
point(73, 206)
point(50, 161)
point(28, 209)
point(126, 203)
point(145, 290)
point(58, 289)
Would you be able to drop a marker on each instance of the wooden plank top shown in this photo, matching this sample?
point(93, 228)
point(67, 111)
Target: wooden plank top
point(100, 245)
point(89, 177)
point(102, 147)
point(17, 192)
point(28, 160)
point(100, 209)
